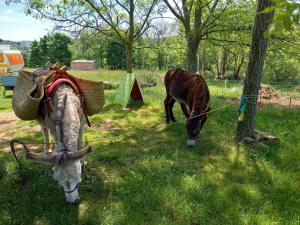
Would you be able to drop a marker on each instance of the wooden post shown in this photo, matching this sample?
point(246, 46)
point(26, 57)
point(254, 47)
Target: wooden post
point(225, 85)
point(260, 103)
point(198, 64)
point(290, 102)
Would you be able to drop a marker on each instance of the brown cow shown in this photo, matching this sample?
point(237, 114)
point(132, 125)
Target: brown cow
point(191, 91)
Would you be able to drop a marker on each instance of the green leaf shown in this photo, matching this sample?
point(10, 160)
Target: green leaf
point(28, 11)
point(268, 9)
point(279, 1)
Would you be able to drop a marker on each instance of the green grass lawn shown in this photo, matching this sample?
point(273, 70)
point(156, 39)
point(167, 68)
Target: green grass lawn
point(141, 171)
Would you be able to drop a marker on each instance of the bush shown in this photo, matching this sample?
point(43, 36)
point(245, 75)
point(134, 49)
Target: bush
point(283, 70)
point(146, 76)
point(116, 55)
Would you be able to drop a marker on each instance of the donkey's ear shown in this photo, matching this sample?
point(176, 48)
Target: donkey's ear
point(80, 154)
point(41, 157)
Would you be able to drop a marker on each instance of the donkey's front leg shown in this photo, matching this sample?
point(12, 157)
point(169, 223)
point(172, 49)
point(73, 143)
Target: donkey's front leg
point(171, 104)
point(184, 110)
point(45, 131)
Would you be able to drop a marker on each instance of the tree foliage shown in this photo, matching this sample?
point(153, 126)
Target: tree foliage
point(123, 20)
point(287, 15)
point(53, 48)
point(116, 55)
point(222, 26)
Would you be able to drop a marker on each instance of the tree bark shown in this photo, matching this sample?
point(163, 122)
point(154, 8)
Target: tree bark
point(192, 49)
point(160, 62)
point(129, 57)
point(130, 39)
point(254, 71)
point(238, 67)
point(224, 63)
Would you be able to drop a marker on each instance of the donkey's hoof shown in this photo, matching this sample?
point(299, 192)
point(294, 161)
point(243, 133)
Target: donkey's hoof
point(191, 143)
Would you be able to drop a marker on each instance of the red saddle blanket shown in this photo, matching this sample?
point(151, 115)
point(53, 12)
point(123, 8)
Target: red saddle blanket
point(59, 79)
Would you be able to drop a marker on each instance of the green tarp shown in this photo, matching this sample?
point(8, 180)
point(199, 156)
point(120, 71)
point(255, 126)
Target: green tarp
point(128, 87)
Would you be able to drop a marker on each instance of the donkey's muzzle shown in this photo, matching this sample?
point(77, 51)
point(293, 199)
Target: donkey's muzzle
point(191, 142)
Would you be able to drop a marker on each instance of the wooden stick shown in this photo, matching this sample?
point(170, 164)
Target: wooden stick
point(260, 103)
point(290, 102)
point(64, 68)
point(55, 66)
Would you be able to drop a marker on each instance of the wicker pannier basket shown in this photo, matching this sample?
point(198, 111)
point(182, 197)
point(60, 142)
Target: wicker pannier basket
point(26, 97)
point(93, 93)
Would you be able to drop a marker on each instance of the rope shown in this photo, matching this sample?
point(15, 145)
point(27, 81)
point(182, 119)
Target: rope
point(28, 142)
point(12, 148)
point(217, 109)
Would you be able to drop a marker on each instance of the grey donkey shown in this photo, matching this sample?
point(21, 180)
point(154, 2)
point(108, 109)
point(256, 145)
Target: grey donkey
point(65, 123)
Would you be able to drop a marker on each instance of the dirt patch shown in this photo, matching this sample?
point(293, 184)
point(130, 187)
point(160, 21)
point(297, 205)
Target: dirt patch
point(269, 96)
point(283, 101)
point(9, 128)
point(278, 101)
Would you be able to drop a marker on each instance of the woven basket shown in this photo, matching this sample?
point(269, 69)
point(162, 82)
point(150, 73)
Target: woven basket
point(93, 93)
point(26, 97)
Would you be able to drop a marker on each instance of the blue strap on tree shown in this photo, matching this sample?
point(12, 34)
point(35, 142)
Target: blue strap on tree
point(243, 108)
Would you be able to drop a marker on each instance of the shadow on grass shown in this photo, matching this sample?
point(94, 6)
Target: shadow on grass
point(141, 172)
point(30, 196)
point(148, 169)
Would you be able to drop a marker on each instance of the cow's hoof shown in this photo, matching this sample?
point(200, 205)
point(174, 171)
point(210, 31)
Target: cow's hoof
point(191, 143)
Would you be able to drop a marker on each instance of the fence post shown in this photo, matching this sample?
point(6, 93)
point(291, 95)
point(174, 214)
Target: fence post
point(198, 64)
point(225, 84)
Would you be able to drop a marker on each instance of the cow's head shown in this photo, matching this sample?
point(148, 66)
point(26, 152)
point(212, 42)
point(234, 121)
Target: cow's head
point(193, 126)
point(66, 170)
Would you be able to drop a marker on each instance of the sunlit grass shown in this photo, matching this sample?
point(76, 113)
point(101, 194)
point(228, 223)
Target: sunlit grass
point(141, 171)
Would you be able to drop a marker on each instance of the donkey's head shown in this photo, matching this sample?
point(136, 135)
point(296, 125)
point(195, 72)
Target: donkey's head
point(67, 169)
point(194, 125)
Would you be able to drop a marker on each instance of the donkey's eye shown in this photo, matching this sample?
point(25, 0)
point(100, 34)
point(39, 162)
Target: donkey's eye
point(68, 184)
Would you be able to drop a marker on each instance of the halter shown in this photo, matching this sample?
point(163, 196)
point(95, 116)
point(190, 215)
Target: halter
point(65, 152)
point(75, 188)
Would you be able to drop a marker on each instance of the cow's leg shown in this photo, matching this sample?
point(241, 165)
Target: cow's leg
point(184, 110)
point(166, 102)
point(45, 131)
point(171, 104)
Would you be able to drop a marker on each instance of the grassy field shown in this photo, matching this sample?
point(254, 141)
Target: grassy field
point(141, 171)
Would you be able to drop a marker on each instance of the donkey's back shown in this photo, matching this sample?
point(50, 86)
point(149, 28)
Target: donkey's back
point(187, 88)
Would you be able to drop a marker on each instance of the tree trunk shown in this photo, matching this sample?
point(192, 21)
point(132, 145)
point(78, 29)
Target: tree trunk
point(224, 63)
point(254, 70)
point(160, 62)
point(238, 67)
point(203, 62)
point(130, 40)
point(129, 57)
point(192, 49)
